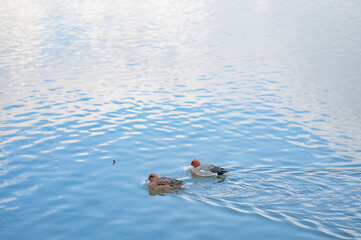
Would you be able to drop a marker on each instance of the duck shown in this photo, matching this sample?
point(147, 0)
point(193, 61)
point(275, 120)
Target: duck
point(206, 170)
point(163, 183)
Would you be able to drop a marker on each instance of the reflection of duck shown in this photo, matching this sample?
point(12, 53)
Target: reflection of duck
point(155, 192)
point(163, 183)
point(199, 179)
point(206, 170)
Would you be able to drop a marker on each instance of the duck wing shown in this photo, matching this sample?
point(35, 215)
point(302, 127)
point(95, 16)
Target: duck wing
point(168, 181)
point(218, 170)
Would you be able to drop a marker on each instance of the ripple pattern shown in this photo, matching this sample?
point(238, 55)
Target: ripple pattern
point(322, 200)
point(96, 95)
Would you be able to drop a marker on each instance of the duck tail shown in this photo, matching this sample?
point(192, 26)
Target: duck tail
point(222, 172)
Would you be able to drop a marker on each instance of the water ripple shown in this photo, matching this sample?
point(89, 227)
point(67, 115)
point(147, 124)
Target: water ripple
point(96, 95)
point(319, 199)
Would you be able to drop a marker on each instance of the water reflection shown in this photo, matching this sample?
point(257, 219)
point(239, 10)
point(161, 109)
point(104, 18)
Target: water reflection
point(154, 192)
point(219, 178)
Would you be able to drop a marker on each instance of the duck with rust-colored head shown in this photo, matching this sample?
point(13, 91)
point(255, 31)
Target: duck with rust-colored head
point(163, 183)
point(206, 170)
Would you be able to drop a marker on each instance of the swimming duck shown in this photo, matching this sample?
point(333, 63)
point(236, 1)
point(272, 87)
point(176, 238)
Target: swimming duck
point(206, 170)
point(163, 183)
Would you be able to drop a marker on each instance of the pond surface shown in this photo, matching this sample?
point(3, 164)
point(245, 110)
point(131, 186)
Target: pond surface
point(271, 90)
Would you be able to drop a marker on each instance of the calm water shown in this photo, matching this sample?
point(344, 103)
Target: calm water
point(269, 89)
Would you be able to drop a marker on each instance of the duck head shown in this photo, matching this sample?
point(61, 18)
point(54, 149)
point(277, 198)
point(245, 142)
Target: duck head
point(152, 177)
point(195, 163)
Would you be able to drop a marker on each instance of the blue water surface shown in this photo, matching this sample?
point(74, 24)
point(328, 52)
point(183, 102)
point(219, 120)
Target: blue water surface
point(270, 90)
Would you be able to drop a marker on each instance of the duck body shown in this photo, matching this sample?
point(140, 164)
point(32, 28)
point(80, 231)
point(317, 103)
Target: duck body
point(206, 170)
point(163, 183)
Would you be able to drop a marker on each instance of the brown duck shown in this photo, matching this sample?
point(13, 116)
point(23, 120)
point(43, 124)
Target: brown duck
point(163, 183)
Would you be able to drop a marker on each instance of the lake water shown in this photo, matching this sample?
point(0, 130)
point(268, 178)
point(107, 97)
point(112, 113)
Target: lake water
point(270, 90)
